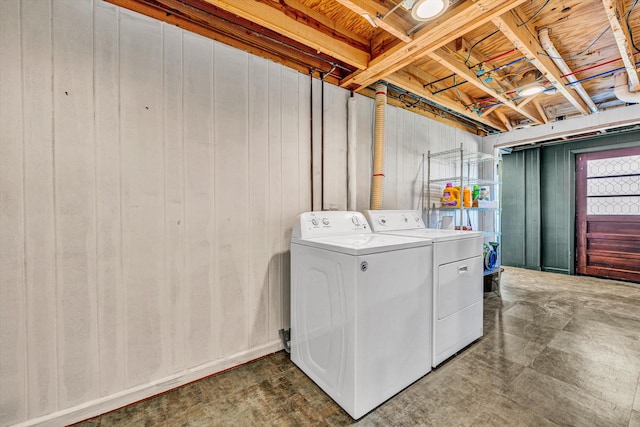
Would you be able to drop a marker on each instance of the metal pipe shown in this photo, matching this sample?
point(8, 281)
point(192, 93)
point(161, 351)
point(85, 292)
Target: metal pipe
point(553, 53)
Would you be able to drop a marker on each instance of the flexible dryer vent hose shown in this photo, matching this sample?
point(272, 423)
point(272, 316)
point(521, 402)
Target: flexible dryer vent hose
point(377, 182)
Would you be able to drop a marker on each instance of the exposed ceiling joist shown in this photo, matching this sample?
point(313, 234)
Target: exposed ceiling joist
point(289, 26)
point(453, 63)
point(411, 83)
point(221, 29)
point(392, 24)
point(528, 44)
point(540, 109)
point(615, 12)
point(458, 20)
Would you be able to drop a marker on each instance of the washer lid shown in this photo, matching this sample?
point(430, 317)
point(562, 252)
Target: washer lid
point(436, 234)
point(363, 244)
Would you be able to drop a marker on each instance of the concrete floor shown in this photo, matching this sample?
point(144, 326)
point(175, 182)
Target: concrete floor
point(557, 350)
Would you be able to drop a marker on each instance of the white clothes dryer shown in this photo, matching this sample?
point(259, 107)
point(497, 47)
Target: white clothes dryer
point(356, 298)
point(457, 278)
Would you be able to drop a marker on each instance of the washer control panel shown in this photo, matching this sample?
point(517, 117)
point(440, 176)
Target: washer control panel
point(394, 220)
point(330, 223)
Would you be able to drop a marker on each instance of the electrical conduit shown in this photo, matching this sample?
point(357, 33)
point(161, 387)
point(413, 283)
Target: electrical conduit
point(377, 182)
point(548, 46)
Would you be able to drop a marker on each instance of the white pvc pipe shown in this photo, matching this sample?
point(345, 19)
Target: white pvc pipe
point(351, 154)
point(377, 181)
point(553, 53)
point(621, 89)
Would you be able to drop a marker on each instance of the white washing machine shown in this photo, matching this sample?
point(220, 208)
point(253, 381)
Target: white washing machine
point(356, 298)
point(457, 279)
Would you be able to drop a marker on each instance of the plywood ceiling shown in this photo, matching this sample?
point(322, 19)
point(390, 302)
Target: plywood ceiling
point(464, 67)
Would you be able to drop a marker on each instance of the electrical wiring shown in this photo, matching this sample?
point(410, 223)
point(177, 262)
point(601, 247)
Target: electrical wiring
point(535, 14)
point(583, 51)
point(478, 42)
point(629, 29)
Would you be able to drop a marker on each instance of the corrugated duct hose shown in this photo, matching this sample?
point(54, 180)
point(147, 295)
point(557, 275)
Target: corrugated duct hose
point(377, 182)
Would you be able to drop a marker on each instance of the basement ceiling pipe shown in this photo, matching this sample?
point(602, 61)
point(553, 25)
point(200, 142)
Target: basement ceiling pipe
point(621, 89)
point(377, 182)
point(351, 154)
point(551, 50)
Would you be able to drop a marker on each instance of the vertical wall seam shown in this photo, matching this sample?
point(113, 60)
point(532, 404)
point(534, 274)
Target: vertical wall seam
point(247, 240)
point(24, 217)
point(95, 197)
point(213, 279)
point(54, 199)
point(166, 287)
point(183, 247)
point(123, 299)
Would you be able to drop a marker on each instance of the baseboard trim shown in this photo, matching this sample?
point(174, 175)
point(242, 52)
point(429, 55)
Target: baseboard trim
point(105, 404)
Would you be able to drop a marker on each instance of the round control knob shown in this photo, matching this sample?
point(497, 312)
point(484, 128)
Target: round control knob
point(325, 221)
point(382, 221)
point(417, 219)
point(355, 220)
point(314, 221)
point(406, 219)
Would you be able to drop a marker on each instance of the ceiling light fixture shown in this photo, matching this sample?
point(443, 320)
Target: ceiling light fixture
point(530, 85)
point(424, 10)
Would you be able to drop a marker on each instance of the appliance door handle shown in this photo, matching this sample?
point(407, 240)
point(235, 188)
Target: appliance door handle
point(463, 269)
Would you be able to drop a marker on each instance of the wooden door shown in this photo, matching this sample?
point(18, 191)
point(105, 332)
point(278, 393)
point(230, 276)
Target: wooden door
point(608, 214)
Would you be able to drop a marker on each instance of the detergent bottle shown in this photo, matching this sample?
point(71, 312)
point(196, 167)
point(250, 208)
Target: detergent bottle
point(451, 196)
point(466, 196)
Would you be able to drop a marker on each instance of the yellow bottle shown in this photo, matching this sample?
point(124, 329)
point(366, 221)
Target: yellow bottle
point(466, 192)
point(451, 196)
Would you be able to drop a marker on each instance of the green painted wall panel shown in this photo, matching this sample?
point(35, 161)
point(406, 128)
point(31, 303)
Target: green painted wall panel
point(520, 216)
point(538, 223)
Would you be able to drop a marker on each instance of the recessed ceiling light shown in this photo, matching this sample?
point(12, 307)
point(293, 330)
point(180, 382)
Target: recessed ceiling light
point(424, 10)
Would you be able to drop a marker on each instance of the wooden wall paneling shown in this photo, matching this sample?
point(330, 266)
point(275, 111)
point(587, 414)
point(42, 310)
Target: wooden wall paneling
point(13, 334)
point(258, 173)
point(392, 133)
point(304, 147)
point(554, 206)
point(275, 199)
point(364, 147)
point(75, 201)
point(201, 256)
point(513, 211)
point(143, 195)
point(231, 194)
point(110, 292)
point(335, 143)
point(291, 188)
point(175, 299)
point(41, 286)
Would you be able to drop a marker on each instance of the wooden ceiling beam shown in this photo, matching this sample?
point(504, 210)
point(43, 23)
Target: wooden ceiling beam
point(224, 32)
point(540, 109)
point(452, 62)
point(458, 20)
point(615, 12)
point(392, 24)
point(296, 29)
point(413, 84)
point(529, 46)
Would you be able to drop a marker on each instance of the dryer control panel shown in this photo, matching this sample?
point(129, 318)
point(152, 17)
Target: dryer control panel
point(329, 223)
point(388, 220)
